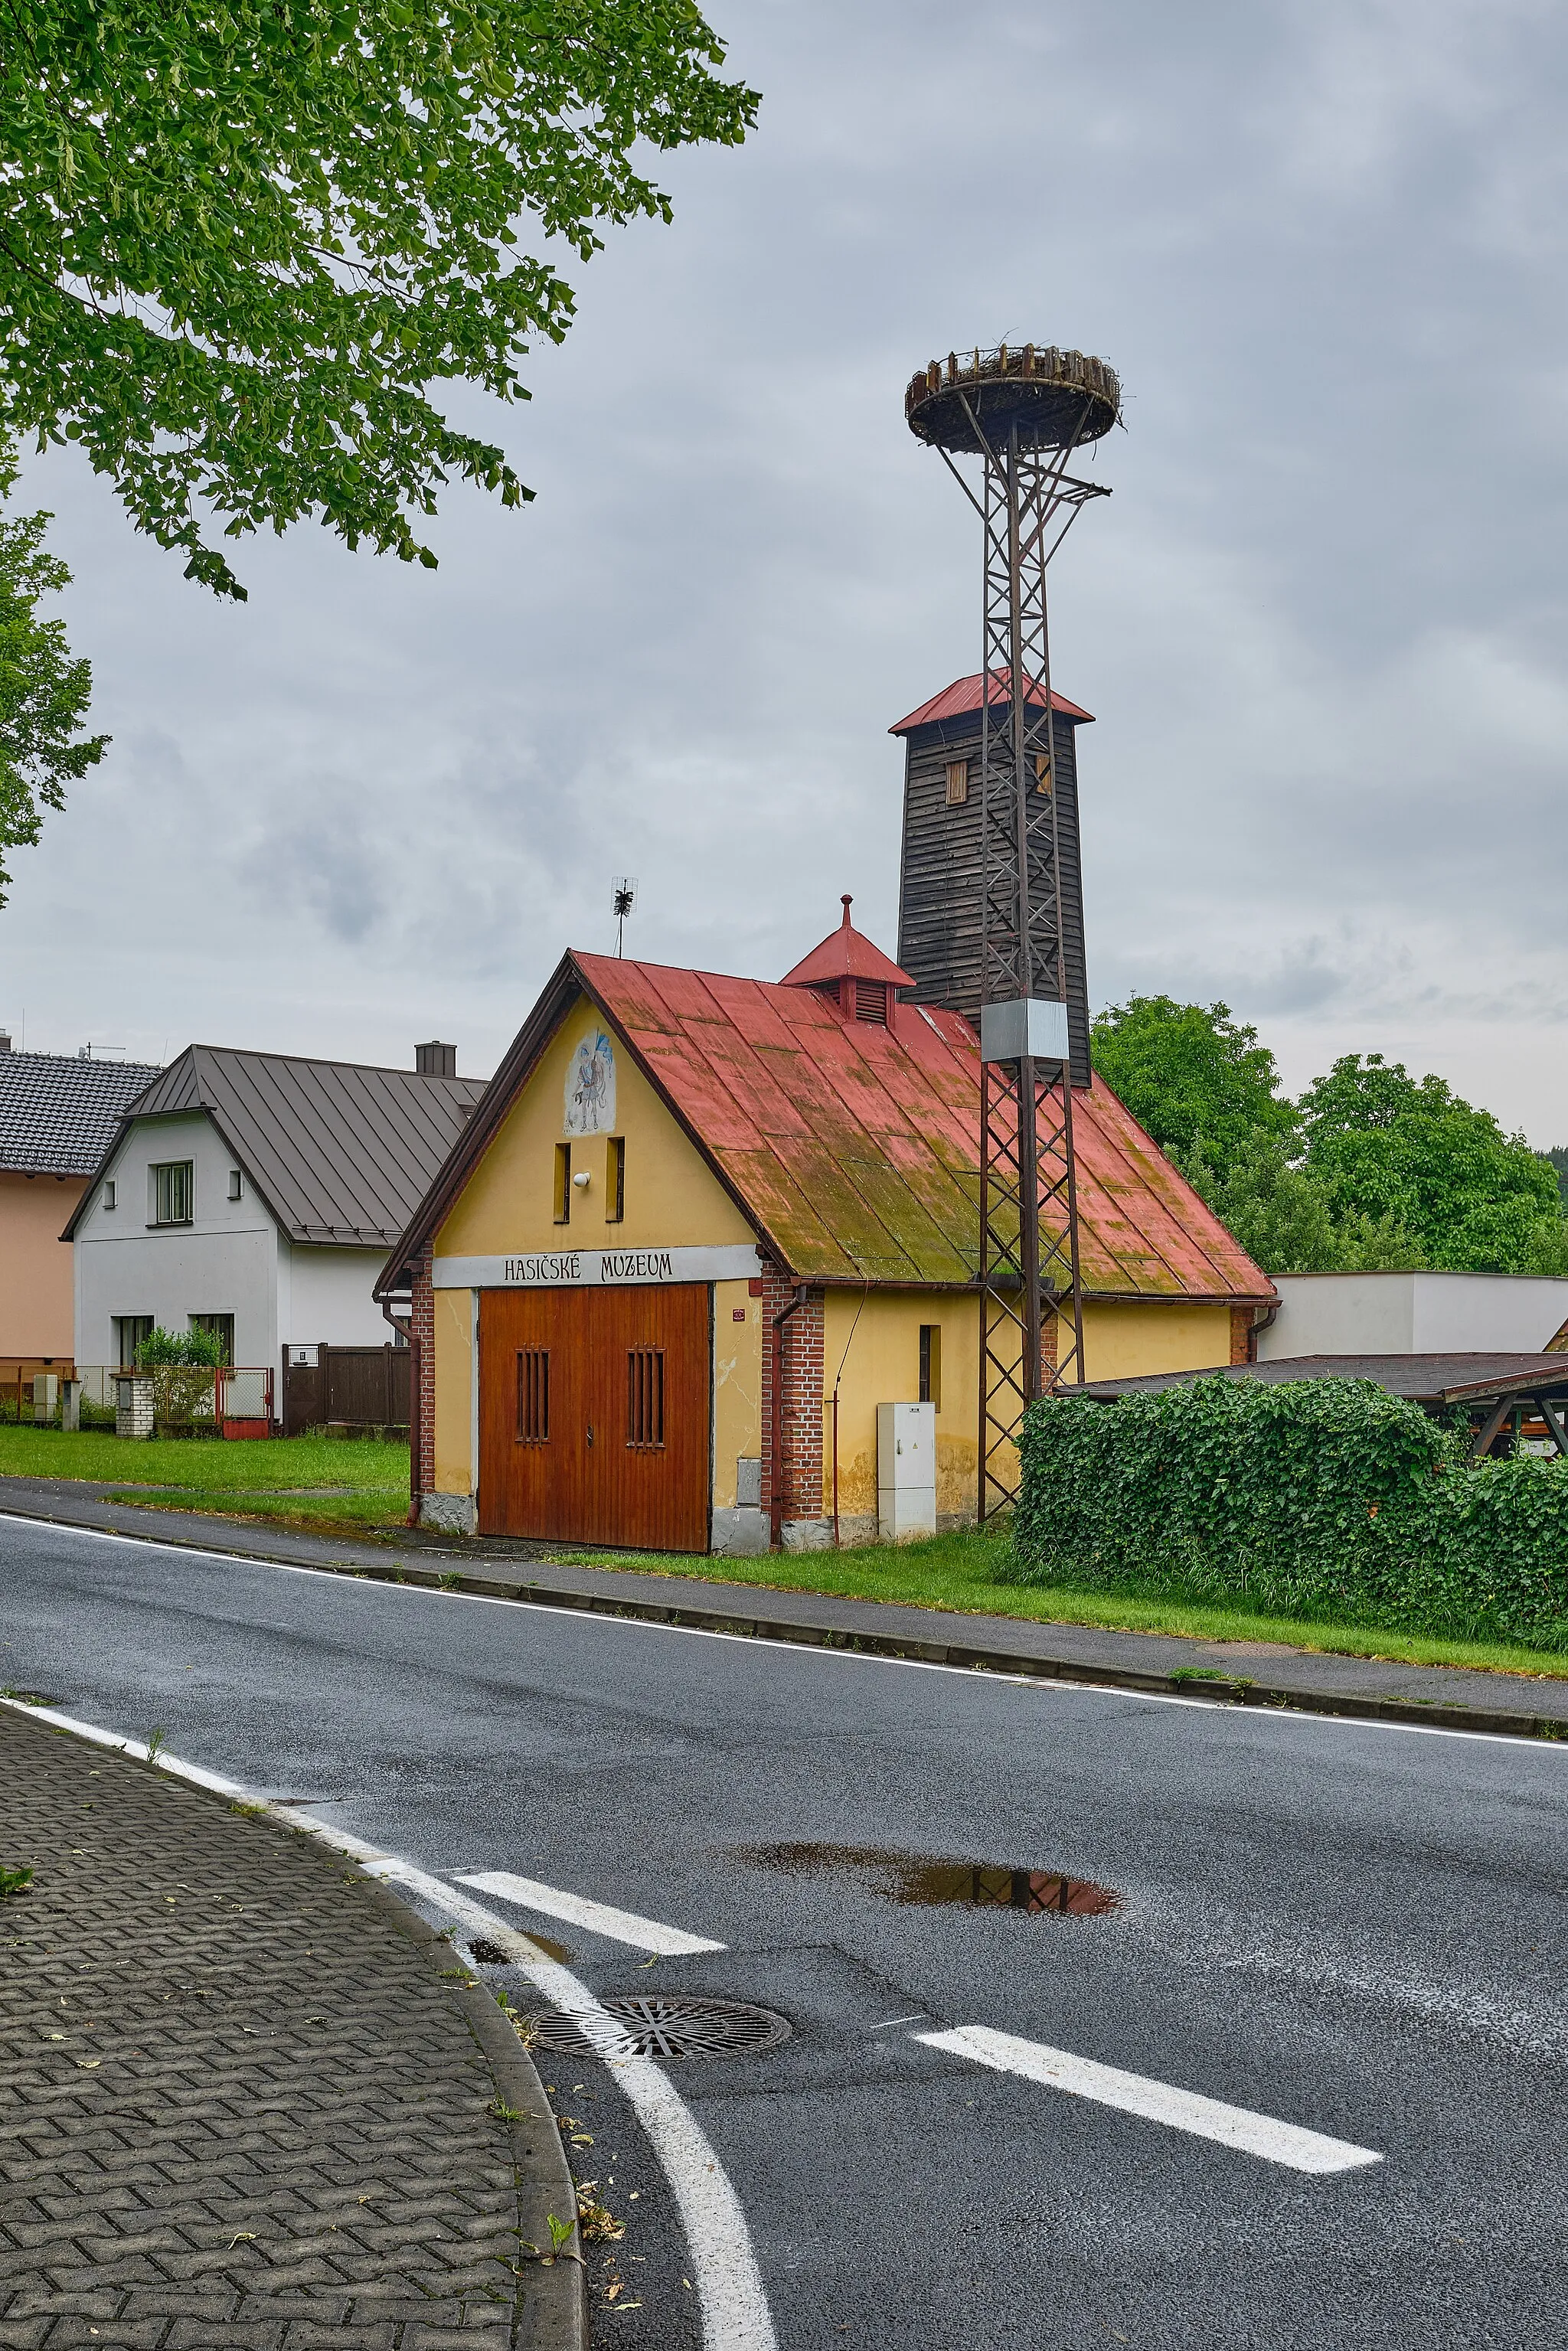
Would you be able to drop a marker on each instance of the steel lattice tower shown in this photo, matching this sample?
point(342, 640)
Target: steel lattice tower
point(1023, 411)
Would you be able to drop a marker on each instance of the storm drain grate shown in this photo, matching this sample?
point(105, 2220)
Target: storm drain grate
point(651, 2025)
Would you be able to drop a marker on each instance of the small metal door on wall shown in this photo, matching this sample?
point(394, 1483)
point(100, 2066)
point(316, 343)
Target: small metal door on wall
point(593, 1415)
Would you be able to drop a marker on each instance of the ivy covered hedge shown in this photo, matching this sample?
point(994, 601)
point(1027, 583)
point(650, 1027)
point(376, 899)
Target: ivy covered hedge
point(1323, 1498)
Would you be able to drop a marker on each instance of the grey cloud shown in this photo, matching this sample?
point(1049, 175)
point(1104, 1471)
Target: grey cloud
point(1320, 621)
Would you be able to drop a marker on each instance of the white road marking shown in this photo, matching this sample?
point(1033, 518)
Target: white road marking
point(731, 2298)
point(1044, 1683)
point(620, 1926)
point(1156, 2102)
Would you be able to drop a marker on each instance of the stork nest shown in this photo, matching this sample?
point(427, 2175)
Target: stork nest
point(1057, 399)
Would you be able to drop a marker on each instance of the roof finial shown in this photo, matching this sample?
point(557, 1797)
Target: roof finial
point(847, 902)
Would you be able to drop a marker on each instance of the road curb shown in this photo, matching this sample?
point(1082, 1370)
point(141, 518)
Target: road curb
point(553, 2314)
point(1199, 1688)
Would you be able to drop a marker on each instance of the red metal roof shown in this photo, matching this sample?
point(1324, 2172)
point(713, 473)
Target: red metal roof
point(846, 954)
point(964, 695)
point(854, 1147)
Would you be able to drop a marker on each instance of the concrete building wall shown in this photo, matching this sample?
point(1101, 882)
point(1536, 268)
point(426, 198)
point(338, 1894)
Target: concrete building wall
point(1413, 1313)
point(37, 1298)
point(325, 1293)
point(224, 1262)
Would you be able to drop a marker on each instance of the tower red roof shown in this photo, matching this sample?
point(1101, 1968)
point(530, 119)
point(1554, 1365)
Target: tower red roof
point(964, 695)
point(846, 954)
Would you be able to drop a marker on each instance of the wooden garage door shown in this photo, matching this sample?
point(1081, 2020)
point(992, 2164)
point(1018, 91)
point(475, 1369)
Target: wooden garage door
point(593, 1415)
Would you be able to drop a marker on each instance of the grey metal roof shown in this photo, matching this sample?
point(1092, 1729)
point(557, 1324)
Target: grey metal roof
point(341, 1154)
point(1424, 1379)
point(57, 1113)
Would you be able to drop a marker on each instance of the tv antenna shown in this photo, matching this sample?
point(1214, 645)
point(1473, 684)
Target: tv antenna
point(624, 900)
point(1021, 409)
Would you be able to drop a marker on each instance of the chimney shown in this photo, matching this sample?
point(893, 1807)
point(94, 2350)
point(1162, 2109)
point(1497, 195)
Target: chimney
point(435, 1061)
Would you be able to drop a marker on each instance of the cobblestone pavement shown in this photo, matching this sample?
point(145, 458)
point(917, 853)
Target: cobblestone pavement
point(240, 2101)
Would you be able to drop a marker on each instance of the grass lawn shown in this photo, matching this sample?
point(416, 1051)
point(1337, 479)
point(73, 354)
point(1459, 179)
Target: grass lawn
point(955, 1572)
point(958, 1572)
point(366, 1483)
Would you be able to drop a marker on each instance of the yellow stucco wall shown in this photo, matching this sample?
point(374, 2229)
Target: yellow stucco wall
point(455, 1470)
point(736, 1385)
point(507, 1206)
point(1122, 1340)
point(876, 1360)
point(672, 1201)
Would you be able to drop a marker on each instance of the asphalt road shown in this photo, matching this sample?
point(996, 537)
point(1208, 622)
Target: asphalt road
point(1353, 1930)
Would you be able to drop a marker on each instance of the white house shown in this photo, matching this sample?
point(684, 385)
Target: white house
point(257, 1195)
point(1415, 1314)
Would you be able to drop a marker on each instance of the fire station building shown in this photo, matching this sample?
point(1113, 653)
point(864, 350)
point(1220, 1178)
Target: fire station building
point(699, 1228)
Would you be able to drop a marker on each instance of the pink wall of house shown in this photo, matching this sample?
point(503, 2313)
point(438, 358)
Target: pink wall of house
point(36, 1313)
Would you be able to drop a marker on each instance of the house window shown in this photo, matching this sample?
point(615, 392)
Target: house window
point(563, 1182)
point(130, 1329)
point(174, 1191)
point(931, 1364)
point(1042, 771)
point(237, 1185)
point(533, 1395)
point(222, 1328)
point(110, 1194)
point(645, 1398)
point(957, 782)
point(615, 1179)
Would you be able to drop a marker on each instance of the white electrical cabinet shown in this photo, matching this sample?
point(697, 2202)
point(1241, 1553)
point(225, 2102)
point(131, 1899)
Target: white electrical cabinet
point(905, 1470)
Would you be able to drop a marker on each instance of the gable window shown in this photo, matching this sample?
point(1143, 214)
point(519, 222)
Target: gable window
point(174, 1189)
point(957, 782)
point(237, 1185)
point(110, 1193)
point(615, 1179)
point(563, 1182)
point(931, 1364)
point(222, 1327)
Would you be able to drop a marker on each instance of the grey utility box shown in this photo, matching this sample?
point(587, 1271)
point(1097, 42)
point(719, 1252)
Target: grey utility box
point(905, 1470)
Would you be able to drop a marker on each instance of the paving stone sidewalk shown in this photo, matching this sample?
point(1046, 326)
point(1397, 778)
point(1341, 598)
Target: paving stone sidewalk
point(241, 2104)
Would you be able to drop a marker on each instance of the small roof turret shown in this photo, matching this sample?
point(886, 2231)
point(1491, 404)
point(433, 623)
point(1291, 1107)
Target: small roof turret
point(846, 954)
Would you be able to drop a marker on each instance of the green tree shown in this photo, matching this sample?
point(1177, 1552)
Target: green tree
point(43, 694)
point(239, 243)
point(1411, 1155)
point(1198, 1080)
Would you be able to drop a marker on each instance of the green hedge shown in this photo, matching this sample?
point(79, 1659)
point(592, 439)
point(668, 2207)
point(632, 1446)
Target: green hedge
point(1323, 1498)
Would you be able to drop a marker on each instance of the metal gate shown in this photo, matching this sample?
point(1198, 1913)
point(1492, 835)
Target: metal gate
point(345, 1387)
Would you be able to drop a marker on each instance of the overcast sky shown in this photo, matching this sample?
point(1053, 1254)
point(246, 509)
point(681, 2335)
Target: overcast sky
point(1320, 621)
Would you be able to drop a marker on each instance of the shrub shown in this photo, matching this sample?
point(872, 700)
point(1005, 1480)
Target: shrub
point(1323, 1498)
point(181, 1363)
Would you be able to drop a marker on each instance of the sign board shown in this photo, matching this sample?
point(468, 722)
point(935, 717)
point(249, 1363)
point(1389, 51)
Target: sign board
point(597, 1269)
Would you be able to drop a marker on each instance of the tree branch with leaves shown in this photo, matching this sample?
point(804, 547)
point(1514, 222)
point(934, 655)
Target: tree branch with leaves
point(238, 244)
point(43, 694)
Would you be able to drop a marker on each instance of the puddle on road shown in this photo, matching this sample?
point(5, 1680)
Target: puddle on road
point(491, 1955)
point(930, 1881)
